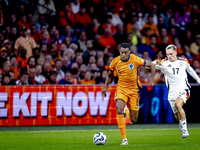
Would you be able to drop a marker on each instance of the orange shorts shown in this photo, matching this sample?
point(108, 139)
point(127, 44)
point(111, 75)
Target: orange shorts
point(130, 96)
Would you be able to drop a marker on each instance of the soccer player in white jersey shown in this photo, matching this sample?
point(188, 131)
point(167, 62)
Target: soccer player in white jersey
point(174, 70)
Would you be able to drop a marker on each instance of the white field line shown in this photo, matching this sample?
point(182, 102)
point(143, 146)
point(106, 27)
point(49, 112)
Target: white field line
point(98, 130)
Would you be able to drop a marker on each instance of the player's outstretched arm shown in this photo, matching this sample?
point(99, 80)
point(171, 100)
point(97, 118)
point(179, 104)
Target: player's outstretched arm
point(108, 81)
point(158, 64)
point(191, 71)
point(153, 69)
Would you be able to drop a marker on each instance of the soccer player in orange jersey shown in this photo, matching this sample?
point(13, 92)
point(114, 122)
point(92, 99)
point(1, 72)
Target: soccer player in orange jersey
point(127, 92)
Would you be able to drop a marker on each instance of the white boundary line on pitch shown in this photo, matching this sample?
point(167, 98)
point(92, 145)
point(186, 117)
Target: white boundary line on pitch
point(98, 130)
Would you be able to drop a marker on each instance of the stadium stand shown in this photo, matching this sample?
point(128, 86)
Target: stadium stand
point(74, 41)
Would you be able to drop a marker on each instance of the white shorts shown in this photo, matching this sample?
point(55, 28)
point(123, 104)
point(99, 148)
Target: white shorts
point(172, 97)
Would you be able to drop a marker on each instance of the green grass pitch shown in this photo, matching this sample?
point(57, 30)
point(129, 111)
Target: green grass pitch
point(82, 139)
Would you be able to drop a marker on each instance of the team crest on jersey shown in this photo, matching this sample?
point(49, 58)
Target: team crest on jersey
point(116, 95)
point(181, 64)
point(131, 66)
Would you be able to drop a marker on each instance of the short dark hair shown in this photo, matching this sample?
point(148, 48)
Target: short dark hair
point(108, 17)
point(13, 56)
point(30, 59)
point(134, 15)
point(68, 70)
point(36, 49)
point(153, 35)
point(74, 71)
point(11, 71)
point(53, 72)
point(57, 60)
point(150, 15)
point(79, 51)
point(125, 45)
point(82, 5)
point(23, 72)
point(148, 28)
point(5, 75)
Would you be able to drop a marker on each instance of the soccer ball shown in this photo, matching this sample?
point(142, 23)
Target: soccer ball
point(99, 138)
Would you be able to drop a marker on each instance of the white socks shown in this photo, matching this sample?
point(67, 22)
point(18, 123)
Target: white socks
point(183, 124)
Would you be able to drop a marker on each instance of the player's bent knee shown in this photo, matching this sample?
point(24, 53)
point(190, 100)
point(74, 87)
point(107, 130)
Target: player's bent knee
point(120, 104)
point(120, 110)
point(178, 106)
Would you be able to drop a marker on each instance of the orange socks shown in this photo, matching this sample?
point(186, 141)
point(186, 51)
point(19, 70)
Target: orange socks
point(127, 113)
point(122, 125)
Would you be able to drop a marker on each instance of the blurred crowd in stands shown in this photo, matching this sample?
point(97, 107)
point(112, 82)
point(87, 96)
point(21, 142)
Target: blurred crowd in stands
point(74, 41)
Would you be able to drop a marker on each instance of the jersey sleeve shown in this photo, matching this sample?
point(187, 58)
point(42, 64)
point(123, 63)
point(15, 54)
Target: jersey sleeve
point(139, 61)
point(159, 67)
point(191, 71)
point(112, 65)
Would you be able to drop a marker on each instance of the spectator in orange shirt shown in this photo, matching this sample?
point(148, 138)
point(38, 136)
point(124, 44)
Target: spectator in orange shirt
point(150, 24)
point(87, 79)
point(14, 68)
point(109, 25)
point(147, 35)
point(23, 23)
point(66, 17)
point(178, 45)
point(163, 33)
point(91, 32)
point(82, 18)
point(153, 42)
point(95, 25)
point(107, 40)
point(34, 33)
point(30, 64)
point(74, 76)
point(52, 78)
point(3, 55)
point(131, 23)
point(22, 60)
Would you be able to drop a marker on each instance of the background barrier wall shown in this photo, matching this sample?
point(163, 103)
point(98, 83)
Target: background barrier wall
point(83, 105)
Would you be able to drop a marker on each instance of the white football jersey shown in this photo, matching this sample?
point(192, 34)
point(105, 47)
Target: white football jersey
point(175, 74)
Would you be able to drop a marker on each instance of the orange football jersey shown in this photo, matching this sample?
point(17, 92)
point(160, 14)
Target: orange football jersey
point(127, 71)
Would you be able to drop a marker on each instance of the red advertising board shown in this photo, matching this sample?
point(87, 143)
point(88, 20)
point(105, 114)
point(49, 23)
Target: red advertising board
point(56, 105)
